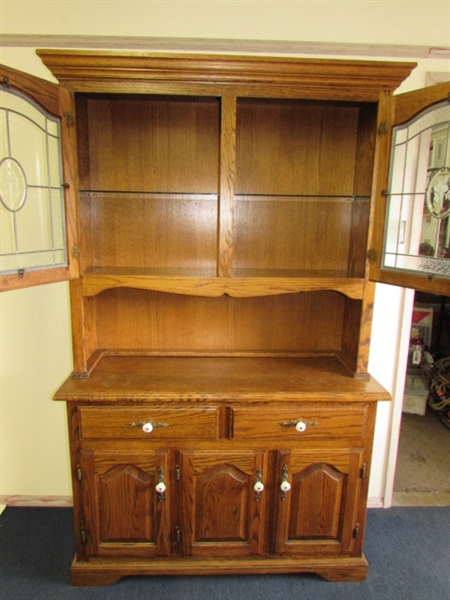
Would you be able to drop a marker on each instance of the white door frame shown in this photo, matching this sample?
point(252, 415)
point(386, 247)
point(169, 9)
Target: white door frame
point(407, 305)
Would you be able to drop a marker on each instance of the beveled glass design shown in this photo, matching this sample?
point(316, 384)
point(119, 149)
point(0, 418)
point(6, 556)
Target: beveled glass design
point(32, 216)
point(417, 233)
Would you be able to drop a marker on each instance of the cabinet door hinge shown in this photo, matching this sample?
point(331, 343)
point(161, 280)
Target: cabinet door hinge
point(362, 472)
point(177, 473)
point(177, 535)
point(382, 128)
point(70, 119)
point(79, 473)
point(356, 531)
point(372, 255)
point(83, 535)
point(230, 423)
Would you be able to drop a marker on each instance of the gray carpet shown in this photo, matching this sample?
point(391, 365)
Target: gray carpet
point(407, 550)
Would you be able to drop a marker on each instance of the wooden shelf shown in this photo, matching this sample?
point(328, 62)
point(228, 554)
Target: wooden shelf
point(196, 282)
point(175, 378)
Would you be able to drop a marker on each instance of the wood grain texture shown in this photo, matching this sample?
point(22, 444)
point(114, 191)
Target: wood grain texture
point(168, 423)
point(125, 515)
point(226, 206)
point(226, 233)
point(119, 378)
point(43, 92)
point(409, 104)
point(143, 321)
point(153, 144)
point(270, 282)
point(271, 422)
point(105, 572)
point(208, 73)
point(320, 506)
point(221, 514)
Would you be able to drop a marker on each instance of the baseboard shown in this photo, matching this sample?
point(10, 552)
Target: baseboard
point(375, 503)
point(51, 501)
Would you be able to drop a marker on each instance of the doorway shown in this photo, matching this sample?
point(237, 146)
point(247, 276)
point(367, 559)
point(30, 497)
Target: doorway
point(422, 474)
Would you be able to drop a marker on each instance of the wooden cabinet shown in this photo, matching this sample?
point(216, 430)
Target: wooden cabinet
point(220, 212)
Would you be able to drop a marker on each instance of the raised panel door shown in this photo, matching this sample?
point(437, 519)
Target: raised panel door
point(317, 501)
point(222, 510)
point(125, 515)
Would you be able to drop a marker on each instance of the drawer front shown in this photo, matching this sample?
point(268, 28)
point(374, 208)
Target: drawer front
point(289, 422)
point(149, 423)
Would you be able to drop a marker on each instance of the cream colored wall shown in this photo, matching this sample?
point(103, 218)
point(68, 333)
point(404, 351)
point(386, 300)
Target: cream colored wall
point(35, 359)
point(36, 354)
point(423, 22)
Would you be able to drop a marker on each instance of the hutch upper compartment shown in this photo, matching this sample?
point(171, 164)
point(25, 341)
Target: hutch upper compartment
point(230, 166)
point(213, 191)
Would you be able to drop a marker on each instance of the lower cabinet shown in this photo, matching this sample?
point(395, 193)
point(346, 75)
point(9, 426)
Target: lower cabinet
point(292, 501)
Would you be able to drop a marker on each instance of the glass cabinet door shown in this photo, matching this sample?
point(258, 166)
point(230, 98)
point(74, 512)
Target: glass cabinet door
point(417, 231)
point(410, 242)
point(31, 193)
point(38, 185)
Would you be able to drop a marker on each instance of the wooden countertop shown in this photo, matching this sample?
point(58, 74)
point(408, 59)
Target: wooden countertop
point(142, 378)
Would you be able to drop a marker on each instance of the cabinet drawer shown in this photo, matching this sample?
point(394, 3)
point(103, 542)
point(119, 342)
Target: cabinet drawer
point(288, 422)
point(149, 423)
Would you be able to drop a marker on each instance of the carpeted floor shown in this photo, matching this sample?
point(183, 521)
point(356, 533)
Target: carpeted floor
point(423, 462)
point(407, 550)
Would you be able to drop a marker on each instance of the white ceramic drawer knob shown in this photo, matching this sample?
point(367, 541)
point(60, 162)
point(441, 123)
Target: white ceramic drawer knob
point(300, 426)
point(160, 487)
point(147, 427)
point(285, 486)
point(258, 487)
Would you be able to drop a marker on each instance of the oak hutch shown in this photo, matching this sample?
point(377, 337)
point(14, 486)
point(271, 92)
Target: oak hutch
point(222, 225)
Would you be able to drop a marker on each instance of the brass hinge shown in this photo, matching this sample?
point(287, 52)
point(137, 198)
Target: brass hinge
point(83, 535)
point(356, 531)
point(70, 119)
point(230, 423)
point(177, 535)
point(177, 473)
point(5, 81)
point(362, 473)
point(372, 255)
point(76, 251)
point(382, 128)
point(79, 473)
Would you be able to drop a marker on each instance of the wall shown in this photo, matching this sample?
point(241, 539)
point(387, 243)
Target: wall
point(35, 334)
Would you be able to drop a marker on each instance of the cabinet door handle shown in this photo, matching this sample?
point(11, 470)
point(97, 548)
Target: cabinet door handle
point(147, 426)
point(285, 486)
point(299, 425)
point(160, 487)
point(259, 486)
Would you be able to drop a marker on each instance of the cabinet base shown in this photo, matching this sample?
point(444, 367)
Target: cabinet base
point(105, 571)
